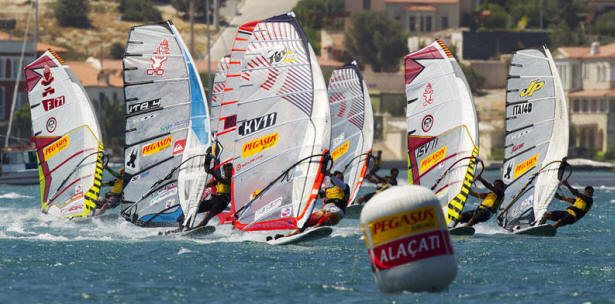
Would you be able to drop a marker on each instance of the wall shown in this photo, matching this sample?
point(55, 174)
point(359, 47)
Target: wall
point(495, 72)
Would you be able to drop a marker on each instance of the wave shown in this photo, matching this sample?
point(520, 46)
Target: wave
point(14, 195)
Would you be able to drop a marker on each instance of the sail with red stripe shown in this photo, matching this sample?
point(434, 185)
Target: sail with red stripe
point(442, 127)
point(277, 93)
point(352, 125)
point(67, 137)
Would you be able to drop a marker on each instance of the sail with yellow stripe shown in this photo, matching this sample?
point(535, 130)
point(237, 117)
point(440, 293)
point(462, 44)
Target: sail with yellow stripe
point(442, 127)
point(67, 137)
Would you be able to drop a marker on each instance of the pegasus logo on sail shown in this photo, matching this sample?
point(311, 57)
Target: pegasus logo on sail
point(159, 57)
point(534, 86)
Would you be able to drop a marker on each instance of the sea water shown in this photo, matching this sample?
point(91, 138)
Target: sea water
point(108, 260)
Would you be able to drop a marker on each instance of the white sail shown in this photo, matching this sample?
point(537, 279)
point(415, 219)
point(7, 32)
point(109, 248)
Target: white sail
point(442, 127)
point(536, 137)
point(167, 127)
point(218, 90)
point(283, 124)
point(352, 125)
point(67, 137)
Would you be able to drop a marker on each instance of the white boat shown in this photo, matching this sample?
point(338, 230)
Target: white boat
point(19, 166)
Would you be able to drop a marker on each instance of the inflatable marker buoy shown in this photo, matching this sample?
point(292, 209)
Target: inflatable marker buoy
point(407, 240)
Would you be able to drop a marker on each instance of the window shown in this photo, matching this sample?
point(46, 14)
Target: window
point(576, 105)
point(15, 66)
point(114, 96)
point(603, 106)
point(1, 68)
point(444, 22)
point(367, 4)
point(594, 106)
point(612, 106)
point(412, 24)
point(428, 24)
point(422, 25)
point(585, 71)
point(22, 98)
point(7, 68)
point(101, 97)
point(2, 102)
point(585, 105)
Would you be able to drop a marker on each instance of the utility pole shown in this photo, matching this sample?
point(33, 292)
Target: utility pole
point(217, 15)
point(35, 38)
point(209, 85)
point(191, 13)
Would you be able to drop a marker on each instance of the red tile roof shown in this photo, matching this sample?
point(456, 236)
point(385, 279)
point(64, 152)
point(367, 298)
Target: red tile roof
point(420, 8)
point(593, 93)
point(604, 51)
point(327, 62)
point(88, 74)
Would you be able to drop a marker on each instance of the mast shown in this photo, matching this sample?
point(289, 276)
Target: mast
point(18, 79)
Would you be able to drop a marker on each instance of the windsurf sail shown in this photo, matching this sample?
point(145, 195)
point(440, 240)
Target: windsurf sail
point(278, 94)
point(67, 136)
point(167, 128)
point(352, 125)
point(442, 127)
point(536, 137)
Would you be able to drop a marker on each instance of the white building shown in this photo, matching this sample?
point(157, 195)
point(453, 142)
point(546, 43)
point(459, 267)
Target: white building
point(588, 76)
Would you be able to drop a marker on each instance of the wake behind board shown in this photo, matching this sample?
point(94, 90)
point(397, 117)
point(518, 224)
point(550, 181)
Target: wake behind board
point(353, 211)
point(462, 230)
point(306, 236)
point(200, 231)
point(540, 230)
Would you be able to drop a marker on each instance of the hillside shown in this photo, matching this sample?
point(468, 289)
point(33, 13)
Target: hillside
point(107, 27)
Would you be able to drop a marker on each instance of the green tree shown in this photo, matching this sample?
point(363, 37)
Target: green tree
point(73, 13)
point(112, 125)
point(117, 50)
point(199, 8)
point(474, 77)
point(497, 17)
point(375, 39)
point(139, 10)
point(320, 14)
point(605, 24)
point(22, 123)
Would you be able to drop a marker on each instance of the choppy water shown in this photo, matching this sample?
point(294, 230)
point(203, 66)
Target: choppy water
point(108, 260)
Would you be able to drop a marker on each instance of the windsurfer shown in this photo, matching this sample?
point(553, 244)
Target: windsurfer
point(490, 204)
point(112, 198)
point(336, 199)
point(385, 183)
point(580, 206)
point(219, 201)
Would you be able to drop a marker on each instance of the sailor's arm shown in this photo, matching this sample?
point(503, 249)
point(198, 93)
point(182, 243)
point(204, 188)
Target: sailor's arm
point(114, 173)
point(477, 194)
point(572, 190)
point(487, 184)
point(564, 198)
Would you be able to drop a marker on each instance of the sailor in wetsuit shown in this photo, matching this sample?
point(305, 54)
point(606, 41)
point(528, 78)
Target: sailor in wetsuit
point(218, 202)
point(580, 206)
point(385, 183)
point(335, 200)
point(112, 198)
point(490, 204)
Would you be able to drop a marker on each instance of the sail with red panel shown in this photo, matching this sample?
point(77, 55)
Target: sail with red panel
point(442, 127)
point(276, 95)
point(67, 137)
point(352, 125)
